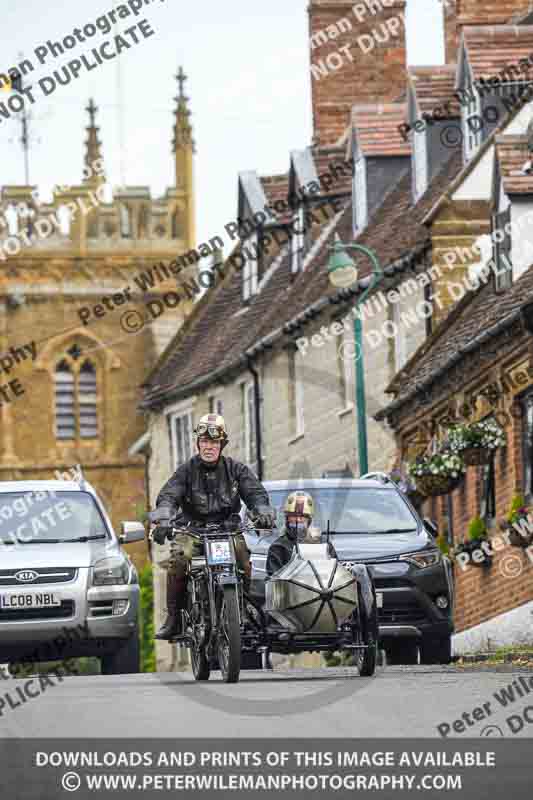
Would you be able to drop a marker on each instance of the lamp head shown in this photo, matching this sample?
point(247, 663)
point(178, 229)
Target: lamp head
point(342, 269)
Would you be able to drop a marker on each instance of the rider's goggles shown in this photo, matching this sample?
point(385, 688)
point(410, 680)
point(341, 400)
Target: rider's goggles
point(213, 431)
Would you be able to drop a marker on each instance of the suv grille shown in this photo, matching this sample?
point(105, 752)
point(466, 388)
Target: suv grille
point(66, 609)
point(44, 575)
point(405, 613)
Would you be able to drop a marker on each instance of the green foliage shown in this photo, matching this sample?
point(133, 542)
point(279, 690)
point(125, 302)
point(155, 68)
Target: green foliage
point(477, 529)
point(442, 544)
point(518, 509)
point(146, 632)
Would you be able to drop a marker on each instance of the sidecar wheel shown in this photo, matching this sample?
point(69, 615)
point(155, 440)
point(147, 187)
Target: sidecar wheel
point(229, 638)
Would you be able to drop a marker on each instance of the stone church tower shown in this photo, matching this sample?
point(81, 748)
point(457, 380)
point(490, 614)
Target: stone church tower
point(82, 319)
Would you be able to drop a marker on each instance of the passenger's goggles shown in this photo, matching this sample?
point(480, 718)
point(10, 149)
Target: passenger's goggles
point(213, 431)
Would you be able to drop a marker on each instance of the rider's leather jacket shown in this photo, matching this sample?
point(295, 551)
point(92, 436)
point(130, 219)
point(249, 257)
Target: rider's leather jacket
point(207, 493)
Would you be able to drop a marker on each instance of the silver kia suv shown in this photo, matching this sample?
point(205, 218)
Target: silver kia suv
point(67, 589)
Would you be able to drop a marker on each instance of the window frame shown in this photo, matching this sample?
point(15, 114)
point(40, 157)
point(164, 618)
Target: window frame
point(75, 367)
point(471, 139)
point(526, 401)
point(503, 272)
point(250, 270)
point(298, 240)
point(215, 404)
point(173, 417)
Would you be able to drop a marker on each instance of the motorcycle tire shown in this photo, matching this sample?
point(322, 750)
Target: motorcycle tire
point(200, 664)
point(366, 660)
point(229, 638)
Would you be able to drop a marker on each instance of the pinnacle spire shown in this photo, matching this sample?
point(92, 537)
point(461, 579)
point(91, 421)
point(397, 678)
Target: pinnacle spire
point(182, 127)
point(92, 148)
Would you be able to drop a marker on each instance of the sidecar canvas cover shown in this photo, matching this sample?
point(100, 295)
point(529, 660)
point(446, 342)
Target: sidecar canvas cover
point(313, 593)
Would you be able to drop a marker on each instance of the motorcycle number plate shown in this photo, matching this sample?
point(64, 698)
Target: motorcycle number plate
point(379, 599)
point(220, 553)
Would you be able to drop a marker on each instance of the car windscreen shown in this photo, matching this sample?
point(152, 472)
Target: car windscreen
point(353, 510)
point(48, 516)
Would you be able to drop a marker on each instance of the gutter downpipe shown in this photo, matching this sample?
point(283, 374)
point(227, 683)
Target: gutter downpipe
point(257, 414)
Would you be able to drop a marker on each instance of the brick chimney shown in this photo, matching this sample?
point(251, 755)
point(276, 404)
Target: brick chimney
point(490, 12)
point(458, 13)
point(358, 55)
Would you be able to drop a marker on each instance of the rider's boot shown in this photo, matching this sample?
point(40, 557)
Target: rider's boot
point(172, 626)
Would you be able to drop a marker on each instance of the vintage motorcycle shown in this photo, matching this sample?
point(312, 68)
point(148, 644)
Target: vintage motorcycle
point(313, 604)
point(212, 620)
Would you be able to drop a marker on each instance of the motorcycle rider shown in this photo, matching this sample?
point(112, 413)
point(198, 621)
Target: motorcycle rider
point(299, 510)
point(208, 488)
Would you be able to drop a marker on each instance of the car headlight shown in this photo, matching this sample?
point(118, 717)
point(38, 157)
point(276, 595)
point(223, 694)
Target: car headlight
point(110, 571)
point(426, 558)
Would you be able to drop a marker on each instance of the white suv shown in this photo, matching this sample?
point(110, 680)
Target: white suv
point(67, 589)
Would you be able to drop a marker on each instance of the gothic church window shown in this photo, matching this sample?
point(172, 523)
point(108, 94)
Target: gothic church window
point(75, 385)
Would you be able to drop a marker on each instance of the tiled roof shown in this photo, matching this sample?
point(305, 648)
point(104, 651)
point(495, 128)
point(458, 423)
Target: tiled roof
point(324, 158)
point(376, 127)
point(477, 314)
point(512, 153)
point(491, 49)
point(218, 332)
point(434, 87)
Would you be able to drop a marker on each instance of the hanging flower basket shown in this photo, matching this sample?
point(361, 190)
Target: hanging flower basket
point(476, 442)
point(436, 485)
point(437, 474)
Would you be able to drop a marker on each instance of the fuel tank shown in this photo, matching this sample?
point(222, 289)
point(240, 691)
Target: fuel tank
point(313, 593)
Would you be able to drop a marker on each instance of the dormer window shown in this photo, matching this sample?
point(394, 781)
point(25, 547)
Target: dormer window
point(297, 240)
point(471, 123)
point(421, 163)
point(361, 202)
point(250, 272)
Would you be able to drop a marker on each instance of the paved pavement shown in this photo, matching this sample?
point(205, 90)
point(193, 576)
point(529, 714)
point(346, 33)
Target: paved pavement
point(397, 702)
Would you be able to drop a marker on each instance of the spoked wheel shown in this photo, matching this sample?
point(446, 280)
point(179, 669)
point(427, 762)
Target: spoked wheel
point(200, 662)
point(229, 636)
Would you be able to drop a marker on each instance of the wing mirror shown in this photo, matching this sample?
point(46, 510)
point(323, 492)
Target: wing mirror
point(430, 526)
point(131, 532)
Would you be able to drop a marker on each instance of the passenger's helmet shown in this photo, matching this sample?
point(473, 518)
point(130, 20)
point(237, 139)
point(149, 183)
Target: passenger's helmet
point(212, 425)
point(299, 503)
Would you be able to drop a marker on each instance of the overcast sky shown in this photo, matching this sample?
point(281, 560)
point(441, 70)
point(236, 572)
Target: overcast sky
point(249, 84)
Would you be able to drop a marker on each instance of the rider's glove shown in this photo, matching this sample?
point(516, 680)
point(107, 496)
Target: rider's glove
point(159, 534)
point(265, 517)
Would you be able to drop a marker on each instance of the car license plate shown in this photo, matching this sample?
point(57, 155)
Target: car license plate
point(220, 553)
point(21, 600)
point(379, 599)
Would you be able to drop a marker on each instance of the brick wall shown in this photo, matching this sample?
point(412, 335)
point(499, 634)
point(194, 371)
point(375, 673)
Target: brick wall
point(485, 593)
point(371, 69)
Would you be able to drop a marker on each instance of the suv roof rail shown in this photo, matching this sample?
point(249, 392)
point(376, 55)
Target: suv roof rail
point(376, 476)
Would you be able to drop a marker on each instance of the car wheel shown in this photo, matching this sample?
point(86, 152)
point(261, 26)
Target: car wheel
point(404, 653)
point(436, 651)
point(125, 660)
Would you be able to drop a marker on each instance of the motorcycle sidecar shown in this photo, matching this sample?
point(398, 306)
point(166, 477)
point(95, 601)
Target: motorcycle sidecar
point(314, 604)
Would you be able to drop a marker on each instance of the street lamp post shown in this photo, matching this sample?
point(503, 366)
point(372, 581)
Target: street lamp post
point(342, 272)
